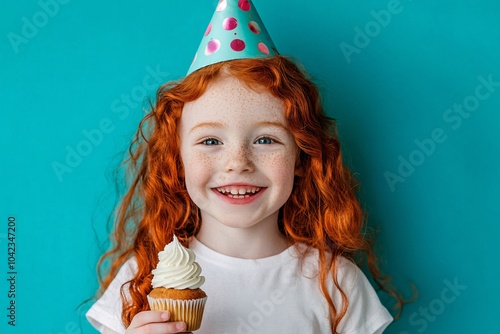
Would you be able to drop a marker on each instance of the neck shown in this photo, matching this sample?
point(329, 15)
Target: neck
point(254, 242)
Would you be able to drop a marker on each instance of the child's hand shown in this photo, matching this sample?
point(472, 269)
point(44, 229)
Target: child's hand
point(154, 322)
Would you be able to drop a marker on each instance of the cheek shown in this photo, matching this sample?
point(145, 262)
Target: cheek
point(197, 170)
point(288, 174)
point(194, 181)
point(282, 167)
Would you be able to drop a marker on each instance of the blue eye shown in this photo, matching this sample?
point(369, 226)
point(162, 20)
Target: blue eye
point(265, 140)
point(211, 142)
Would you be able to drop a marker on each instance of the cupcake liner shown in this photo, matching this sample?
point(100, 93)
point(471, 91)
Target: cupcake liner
point(190, 311)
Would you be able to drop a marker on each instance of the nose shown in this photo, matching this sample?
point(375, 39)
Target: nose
point(239, 160)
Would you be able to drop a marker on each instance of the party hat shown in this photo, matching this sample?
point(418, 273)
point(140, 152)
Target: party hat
point(236, 31)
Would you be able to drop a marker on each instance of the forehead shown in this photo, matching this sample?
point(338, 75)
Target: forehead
point(228, 100)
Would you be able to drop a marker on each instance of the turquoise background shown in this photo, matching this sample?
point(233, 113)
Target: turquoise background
point(88, 66)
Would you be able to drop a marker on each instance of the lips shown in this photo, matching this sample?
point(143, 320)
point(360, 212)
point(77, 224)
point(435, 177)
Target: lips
point(238, 191)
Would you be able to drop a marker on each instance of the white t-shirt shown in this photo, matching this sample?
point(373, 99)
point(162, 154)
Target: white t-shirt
point(270, 295)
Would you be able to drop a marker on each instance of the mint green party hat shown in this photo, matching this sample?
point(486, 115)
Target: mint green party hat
point(236, 31)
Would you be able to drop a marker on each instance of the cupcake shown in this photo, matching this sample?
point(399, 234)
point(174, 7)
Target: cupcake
point(176, 285)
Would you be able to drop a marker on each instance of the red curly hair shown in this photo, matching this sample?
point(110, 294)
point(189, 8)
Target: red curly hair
point(322, 211)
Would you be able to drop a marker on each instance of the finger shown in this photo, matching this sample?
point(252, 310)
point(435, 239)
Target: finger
point(163, 328)
point(156, 322)
point(146, 317)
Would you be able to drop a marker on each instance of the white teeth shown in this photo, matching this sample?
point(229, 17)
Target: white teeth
point(238, 196)
point(241, 191)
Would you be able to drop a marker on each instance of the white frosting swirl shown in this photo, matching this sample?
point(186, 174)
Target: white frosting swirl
point(177, 268)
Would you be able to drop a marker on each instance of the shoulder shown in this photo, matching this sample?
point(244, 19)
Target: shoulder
point(107, 310)
point(365, 312)
point(346, 270)
point(128, 269)
point(349, 277)
point(126, 272)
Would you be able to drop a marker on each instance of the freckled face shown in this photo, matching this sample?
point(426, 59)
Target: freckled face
point(238, 156)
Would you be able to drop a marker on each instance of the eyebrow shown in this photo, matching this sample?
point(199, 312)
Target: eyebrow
point(273, 124)
point(221, 125)
point(206, 125)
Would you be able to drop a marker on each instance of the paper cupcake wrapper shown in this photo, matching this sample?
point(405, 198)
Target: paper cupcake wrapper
point(189, 311)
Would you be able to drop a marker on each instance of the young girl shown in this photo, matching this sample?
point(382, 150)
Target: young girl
point(240, 162)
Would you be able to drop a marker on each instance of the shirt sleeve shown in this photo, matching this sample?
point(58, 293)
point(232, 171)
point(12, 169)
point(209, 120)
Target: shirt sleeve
point(365, 313)
point(106, 312)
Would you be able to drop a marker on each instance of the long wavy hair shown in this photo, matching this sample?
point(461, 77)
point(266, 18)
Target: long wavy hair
point(322, 211)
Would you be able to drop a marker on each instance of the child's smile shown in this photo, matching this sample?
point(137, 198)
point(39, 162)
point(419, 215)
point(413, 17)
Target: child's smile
point(239, 194)
point(238, 155)
point(238, 191)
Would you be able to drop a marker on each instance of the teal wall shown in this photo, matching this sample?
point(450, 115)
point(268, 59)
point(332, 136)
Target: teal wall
point(414, 85)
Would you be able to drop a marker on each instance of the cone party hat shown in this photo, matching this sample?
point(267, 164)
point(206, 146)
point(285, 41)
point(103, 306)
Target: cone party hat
point(236, 31)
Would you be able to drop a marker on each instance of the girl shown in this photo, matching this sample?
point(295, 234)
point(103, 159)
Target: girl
point(241, 163)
